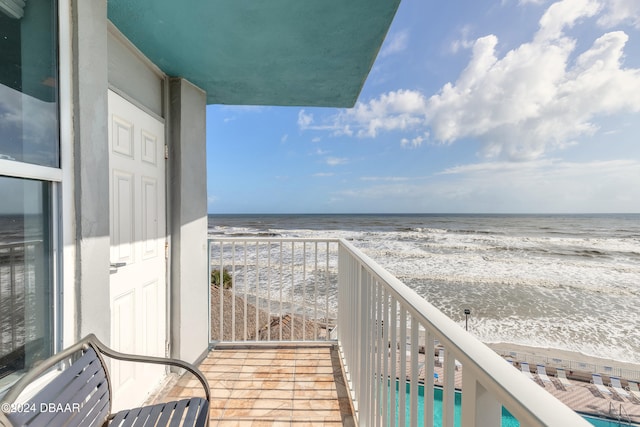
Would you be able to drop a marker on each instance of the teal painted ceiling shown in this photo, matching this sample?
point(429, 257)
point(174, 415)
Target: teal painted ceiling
point(275, 52)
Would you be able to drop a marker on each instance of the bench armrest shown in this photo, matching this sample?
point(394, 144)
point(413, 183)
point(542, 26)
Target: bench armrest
point(99, 346)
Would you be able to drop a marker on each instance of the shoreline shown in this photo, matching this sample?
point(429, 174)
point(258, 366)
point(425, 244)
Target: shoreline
point(556, 356)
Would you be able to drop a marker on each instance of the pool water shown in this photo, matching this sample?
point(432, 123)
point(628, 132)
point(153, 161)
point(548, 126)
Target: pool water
point(507, 419)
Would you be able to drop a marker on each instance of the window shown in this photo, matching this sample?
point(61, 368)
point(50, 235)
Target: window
point(28, 85)
point(25, 273)
point(29, 133)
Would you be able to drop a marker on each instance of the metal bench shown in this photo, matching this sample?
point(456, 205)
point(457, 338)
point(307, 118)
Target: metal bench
point(80, 394)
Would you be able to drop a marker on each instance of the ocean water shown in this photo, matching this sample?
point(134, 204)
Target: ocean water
point(562, 281)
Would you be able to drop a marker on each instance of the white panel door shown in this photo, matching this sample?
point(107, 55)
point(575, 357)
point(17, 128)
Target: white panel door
point(137, 220)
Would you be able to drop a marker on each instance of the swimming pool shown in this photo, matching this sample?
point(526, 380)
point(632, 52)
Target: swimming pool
point(507, 419)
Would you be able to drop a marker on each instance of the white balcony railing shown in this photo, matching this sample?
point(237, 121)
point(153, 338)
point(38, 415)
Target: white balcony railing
point(335, 292)
point(19, 264)
point(280, 289)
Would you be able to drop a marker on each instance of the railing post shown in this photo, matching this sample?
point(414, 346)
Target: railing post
point(402, 401)
point(209, 243)
point(413, 417)
point(384, 352)
point(393, 328)
point(221, 292)
point(364, 346)
point(479, 407)
point(448, 391)
point(429, 363)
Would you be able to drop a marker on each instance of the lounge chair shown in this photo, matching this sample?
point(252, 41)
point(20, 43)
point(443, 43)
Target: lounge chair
point(617, 387)
point(458, 364)
point(542, 374)
point(597, 381)
point(524, 367)
point(635, 390)
point(562, 377)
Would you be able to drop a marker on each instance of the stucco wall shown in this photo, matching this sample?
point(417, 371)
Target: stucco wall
point(188, 201)
point(91, 180)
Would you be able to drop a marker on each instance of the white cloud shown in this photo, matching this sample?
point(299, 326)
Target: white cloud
point(323, 174)
point(316, 139)
point(335, 161)
point(284, 138)
point(463, 42)
point(385, 178)
point(396, 110)
point(304, 120)
point(621, 11)
point(533, 98)
point(538, 2)
point(411, 143)
point(538, 97)
point(564, 14)
point(307, 122)
point(548, 185)
point(395, 43)
point(29, 119)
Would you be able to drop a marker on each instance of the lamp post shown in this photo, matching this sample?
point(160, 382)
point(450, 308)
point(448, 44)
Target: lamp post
point(467, 312)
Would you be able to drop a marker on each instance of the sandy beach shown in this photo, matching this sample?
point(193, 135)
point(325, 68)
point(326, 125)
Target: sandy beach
point(567, 359)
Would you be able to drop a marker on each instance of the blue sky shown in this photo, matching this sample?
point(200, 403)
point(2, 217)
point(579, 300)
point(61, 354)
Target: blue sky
point(514, 106)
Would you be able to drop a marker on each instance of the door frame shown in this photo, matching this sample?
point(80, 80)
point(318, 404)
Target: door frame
point(164, 117)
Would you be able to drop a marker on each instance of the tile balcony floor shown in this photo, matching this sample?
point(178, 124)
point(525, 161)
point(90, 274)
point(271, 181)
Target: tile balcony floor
point(288, 386)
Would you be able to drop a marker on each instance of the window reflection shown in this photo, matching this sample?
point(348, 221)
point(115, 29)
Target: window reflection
point(25, 275)
point(28, 84)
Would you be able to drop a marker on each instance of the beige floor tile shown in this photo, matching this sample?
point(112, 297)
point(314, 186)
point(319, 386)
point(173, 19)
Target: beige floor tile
point(315, 385)
point(255, 413)
point(319, 394)
point(317, 405)
point(254, 423)
point(313, 370)
point(270, 387)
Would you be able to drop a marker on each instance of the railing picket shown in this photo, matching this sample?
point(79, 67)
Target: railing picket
point(448, 391)
point(304, 290)
point(257, 291)
point(246, 289)
point(371, 351)
point(362, 374)
point(384, 352)
point(280, 288)
point(402, 405)
point(413, 394)
point(293, 290)
point(393, 327)
point(326, 295)
point(209, 302)
point(429, 363)
point(269, 290)
point(315, 293)
point(233, 291)
point(221, 292)
point(378, 352)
